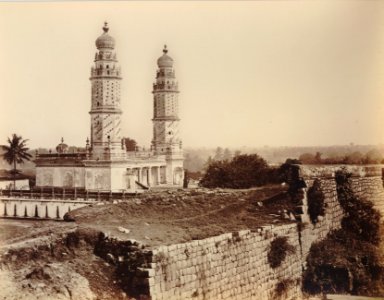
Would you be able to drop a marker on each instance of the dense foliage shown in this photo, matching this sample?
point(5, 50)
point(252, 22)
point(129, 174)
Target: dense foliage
point(316, 205)
point(130, 144)
point(243, 171)
point(361, 219)
point(278, 251)
point(348, 260)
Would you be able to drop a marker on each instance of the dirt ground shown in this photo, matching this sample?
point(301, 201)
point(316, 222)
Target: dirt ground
point(162, 218)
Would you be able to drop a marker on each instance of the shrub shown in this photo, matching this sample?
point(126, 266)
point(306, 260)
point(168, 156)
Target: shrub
point(278, 251)
point(282, 288)
point(342, 264)
point(243, 171)
point(361, 219)
point(316, 206)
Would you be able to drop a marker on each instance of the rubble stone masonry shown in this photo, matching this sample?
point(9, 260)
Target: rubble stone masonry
point(235, 265)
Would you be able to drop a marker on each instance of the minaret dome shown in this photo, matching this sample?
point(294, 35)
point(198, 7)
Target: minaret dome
point(105, 41)
point(165, 61)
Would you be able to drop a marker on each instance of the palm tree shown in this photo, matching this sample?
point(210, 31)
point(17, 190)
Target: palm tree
point(16, 153)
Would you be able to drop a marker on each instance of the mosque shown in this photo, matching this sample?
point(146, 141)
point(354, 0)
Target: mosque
point(105, 164)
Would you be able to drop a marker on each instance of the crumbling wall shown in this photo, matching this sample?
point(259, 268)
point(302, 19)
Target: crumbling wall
point(309, 232)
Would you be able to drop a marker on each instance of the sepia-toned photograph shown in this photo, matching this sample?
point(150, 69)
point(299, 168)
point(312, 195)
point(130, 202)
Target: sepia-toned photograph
point(201, 150)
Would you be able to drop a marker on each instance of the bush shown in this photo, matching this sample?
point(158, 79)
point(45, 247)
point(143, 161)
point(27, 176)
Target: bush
point(342, 264)
point(243, 171)
point(316, 206)
point(278, 251)
point(361, 219)
point(282, 288)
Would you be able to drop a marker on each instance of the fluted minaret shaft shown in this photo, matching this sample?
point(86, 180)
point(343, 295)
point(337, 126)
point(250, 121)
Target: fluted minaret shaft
point(105, 108)
point(166, 134)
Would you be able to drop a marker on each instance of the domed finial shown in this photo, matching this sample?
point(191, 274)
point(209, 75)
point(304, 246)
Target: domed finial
point(105, 28)
point(62, 140)
point(165, 50)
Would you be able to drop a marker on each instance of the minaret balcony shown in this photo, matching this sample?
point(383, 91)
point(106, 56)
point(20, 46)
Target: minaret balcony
point(164, 87)
point(166, 74)
point(105, 72)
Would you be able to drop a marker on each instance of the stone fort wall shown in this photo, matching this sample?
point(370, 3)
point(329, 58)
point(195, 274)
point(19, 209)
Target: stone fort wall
point(229, 266)
point(235, 265)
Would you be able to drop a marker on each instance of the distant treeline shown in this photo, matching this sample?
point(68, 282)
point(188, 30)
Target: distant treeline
point(198, 159)
point(356, 158)
point(251, 170)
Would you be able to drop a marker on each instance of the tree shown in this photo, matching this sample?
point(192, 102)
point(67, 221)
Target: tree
point(208, 163)
point(130, 144)
point(355, 158)
point(217, 175)
point(219, 154)
point(373, 157)
point(16, 153)
point(248, 171)
point(243, 171)
point(186, 179)
point(307, 158)
point(227, 154)
point(237, 153)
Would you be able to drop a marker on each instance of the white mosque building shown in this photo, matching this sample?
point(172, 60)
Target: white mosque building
point(106, 165)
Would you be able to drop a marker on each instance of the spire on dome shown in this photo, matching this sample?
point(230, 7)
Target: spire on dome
point(165, 50)
point(105, 28)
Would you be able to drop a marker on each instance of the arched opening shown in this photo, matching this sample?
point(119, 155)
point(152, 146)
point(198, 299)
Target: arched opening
point(68, 180)
point(178, 175)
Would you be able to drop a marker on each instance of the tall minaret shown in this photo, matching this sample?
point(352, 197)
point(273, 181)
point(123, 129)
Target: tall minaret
point(166, 136)
point(105, 109)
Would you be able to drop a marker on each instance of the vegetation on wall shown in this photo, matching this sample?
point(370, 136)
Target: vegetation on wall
point(316, 205)
point(349, 259)
point(278, 251)
point(361, 219)
point(282, 288)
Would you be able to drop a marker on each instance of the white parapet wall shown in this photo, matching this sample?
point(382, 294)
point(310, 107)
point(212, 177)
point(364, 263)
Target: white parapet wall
point(38, 208)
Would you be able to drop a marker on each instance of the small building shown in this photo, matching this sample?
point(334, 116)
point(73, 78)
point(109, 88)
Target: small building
point(105, 164)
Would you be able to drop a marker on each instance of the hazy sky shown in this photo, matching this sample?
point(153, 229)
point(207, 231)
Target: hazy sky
point(250, 73)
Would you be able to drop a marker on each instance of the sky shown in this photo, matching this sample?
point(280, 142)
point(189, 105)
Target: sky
point(252, 73)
